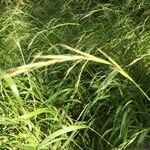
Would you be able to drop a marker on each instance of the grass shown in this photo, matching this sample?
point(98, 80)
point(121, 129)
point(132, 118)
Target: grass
point(75, 75)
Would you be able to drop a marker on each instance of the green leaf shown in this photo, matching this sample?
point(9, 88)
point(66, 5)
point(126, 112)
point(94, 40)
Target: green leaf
point(65, 130)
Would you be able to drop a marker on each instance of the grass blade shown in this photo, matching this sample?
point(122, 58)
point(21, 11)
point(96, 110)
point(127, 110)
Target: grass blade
point(60, 132)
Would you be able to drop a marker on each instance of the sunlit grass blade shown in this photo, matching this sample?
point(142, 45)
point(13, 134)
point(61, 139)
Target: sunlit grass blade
point(26, 147)
point(61, 57)
point(55, 59)
point(60, 132)
point(127, 144)
point(25, 117)
point(11, 83)
point(138, 59)
point(88, 56)
point(31, 67)
point(121, 71)
point(34, 113)
point(79, 77)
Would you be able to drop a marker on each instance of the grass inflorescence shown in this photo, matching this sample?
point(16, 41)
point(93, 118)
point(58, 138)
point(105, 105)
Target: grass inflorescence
point(75, 74)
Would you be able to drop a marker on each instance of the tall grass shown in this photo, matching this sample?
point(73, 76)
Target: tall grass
point(75, 74)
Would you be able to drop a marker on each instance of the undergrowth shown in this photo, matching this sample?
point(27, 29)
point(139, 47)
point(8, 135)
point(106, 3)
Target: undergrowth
point(75, 74)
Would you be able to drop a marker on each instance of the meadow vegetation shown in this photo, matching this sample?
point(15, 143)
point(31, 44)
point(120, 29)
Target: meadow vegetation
point(75, 74)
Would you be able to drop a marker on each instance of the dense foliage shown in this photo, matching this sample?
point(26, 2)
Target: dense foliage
point(75, 74)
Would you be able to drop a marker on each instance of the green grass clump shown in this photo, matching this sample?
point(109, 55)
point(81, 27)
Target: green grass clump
point(75, 74)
